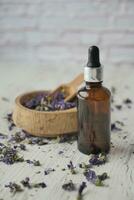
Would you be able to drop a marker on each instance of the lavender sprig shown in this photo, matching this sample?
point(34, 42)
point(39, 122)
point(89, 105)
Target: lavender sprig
point(90, 175)
point(48, 171)
point(71, 167)
point(17, 137)
point(34, 162)
point(98, 159)
point(70, 186)
point(26, 183)
point(14, 187)
point(80, 191)
point(95, 179)
point(10, 121)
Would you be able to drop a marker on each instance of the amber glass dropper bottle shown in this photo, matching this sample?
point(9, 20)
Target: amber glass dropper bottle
point(93, 108)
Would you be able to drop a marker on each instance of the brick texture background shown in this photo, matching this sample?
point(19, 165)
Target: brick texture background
point(58, 32)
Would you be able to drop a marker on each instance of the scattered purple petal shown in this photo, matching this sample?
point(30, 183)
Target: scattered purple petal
point(67, 138)
point(10, 121)
point(127, 101)
point(90, 175)
point(11, 126)
point(80, 191)
point(26, 183)
point(98, 159)
point(119, 107)
point(22, 147)
point(34, 162)
point(117, 125)
point(17, 137)
point(103, 176)
point(95, 179)
point(60, 152)
point(70, 186)
point(71, 167)
point(37, 140)
point(14, 187)
point(9, 117)
point(48, 171)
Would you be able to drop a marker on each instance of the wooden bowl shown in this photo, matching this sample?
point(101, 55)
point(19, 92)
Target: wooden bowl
point(42, 123)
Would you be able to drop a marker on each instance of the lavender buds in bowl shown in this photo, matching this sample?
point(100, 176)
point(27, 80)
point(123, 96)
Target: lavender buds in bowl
point(45, 102)
point(42, 115)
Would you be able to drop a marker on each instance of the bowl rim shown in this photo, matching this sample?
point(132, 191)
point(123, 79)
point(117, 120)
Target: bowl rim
point(18, 103)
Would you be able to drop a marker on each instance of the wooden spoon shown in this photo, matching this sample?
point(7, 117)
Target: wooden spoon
point(52, 123)
point(70, 89)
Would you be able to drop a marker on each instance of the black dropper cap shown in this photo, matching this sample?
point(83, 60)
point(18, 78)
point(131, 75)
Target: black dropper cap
point(93, 57)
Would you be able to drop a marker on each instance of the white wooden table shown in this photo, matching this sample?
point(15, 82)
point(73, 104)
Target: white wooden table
point(120, 167)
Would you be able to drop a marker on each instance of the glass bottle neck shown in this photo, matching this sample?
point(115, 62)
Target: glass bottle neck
point(93, 84)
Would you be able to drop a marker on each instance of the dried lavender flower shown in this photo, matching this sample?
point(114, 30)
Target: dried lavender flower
point(17, 137)
point(127, 101)
point(48, 171)
point(10, 121)
point(84, 166)
point(103, 176)
point(90, 175)
point(100, 178)
point(21, 136)
point(37, 140)
point(125, 137)
point(114, 127)
point(67, 138)
point(14, 187)
point(70, 186)
point(9, 155)
point(35, 101)
point(9, 117)
point(80, 191)
point(71, 167)
point(11, 126)
point(119, 107)
point(60, 152)
point(34, 162)
point(98, 159)
point(22, 147)
point(95, 179)
point(39, 185)
point(26, 183)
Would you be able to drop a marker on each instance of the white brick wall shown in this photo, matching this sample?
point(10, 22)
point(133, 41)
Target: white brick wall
point(58, 32)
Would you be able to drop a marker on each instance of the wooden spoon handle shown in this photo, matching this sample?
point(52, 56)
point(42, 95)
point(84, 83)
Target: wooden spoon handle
point(77, 81)
point(73, 85)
